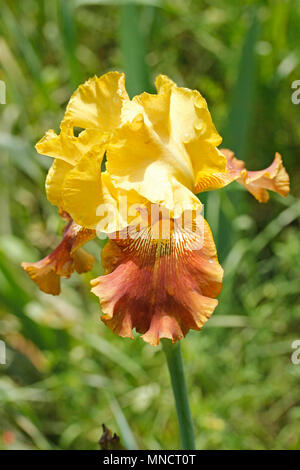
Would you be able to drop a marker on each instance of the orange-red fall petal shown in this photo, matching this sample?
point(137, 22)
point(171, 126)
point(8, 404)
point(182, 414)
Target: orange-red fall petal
point(67, 257)
point(161, 287)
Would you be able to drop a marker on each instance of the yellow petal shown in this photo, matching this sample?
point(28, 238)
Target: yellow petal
point(98, 102)
point(82, 188)
point(207, 178)
point(121, 207)
point(54, 181)
point(181, 119)
point(187, 113)
point(67, 150)
point(92, 200)
point(138, 159)
point(66, 146)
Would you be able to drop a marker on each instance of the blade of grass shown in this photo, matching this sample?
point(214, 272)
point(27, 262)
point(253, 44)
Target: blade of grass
point(238, 125)
point(155, 3)
point(244, 246)
point(22, 156)
point(132, 43)
point(115, 355)
point(241, 108)
point(66, 13)
point(14, 76)
point(32, 430)
point(125, 431)
point(11, 29)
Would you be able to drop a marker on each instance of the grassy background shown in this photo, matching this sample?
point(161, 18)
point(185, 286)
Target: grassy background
point(66, 373)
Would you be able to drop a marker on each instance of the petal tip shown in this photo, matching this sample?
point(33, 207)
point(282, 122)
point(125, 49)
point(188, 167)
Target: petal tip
point(44, 276)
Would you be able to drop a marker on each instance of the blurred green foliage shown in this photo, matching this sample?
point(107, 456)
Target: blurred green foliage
point(66, 373)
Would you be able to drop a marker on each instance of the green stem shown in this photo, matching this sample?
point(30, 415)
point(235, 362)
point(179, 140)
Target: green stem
point(175, 364)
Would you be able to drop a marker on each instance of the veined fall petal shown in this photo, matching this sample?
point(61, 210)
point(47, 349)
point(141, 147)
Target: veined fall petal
point(162, 287)
point(67, 257)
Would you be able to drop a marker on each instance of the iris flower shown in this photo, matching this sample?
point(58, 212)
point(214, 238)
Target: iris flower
point(116, 161)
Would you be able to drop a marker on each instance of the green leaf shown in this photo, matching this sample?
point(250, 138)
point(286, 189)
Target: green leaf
point(132, 43)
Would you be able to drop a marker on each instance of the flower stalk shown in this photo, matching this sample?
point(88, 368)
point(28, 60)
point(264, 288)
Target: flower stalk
point(179, 386)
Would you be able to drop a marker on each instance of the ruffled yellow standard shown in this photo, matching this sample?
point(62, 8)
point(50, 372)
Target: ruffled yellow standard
point(131, 157)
